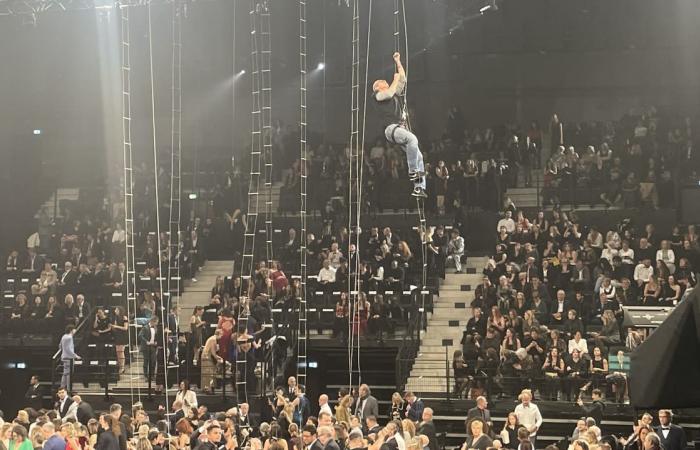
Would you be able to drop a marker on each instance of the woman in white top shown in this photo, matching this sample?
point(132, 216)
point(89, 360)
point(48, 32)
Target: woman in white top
point(609, 252)
point(578, 343)
point(665, 254)
point(626, 254)
point(187, 396)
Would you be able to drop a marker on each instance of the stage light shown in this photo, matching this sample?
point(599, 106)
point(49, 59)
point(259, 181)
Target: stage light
point(321, 66)
point(37, 132)
point(242, 72)
point(492, 6)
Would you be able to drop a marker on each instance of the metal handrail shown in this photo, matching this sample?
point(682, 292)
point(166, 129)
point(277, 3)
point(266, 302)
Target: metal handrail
point(77, 329)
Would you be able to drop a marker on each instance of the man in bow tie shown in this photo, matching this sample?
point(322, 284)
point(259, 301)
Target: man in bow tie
point(672, 436)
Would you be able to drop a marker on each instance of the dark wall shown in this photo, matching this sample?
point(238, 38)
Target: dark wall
point(585, 59)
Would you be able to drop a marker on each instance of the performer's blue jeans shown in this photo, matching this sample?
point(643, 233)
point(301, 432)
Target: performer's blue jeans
point(408, 141)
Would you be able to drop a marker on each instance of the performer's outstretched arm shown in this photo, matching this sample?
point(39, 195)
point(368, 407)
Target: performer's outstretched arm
point(397, 85)
point(401, 82)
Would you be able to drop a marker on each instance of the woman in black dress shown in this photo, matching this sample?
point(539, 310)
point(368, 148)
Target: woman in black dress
point(101, 327)
point(120, 328)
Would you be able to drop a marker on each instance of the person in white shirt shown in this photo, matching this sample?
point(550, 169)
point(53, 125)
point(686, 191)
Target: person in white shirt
point(326, 280)
point(323, 405)
point(335, 255)
point(665, 254)
point(528, 415)
point(506, 222)
point(609, 252)
point(643, 272)
point(455, 250)
point(578, 343)
point(327, 273)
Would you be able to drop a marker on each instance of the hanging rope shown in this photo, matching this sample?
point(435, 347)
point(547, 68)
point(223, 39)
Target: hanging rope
point(129, 258)
point(399, 18)
point(357, 142)
point(175, 169)
point(163, 307)
point(301, 296)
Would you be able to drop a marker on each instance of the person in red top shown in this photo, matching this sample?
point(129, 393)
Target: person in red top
point(226, 324)
point(279, 279)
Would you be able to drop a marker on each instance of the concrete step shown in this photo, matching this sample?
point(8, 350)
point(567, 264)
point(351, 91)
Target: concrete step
point(522, 190)
point(440, 323)
point(459, 279)
point(426, 386)
point(443, 315)
point(436, 341)
point(457, 287)
point(436, 349)
point(456, 294)
point(458, 306)
point(431, 365)
point(435, 371)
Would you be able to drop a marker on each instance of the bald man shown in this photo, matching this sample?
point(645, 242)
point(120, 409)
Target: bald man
point(323, 405)
point(427, 428)
point(393, 118)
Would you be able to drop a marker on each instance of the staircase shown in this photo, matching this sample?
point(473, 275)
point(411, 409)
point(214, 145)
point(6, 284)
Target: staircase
point(199, 293)
point(451, 312)
point(53, 204)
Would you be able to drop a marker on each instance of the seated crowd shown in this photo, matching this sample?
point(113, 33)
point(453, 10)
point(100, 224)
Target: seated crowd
point(548, 314)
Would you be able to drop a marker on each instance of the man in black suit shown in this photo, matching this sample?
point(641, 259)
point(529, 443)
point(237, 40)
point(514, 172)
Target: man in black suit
point(84, 412)
point(559, 308)
point(66, 282)
point(372, 425)
point(308, 437)
point(63, 403)
point(480, 411)
point(427, 428)
point(178, 413)
point(82, 309)
point(33, 396)
point(148, 342)
point(672, 436)
point(33, 263)
point(244, 421)
point(85, 281)
point(477, 324)
point(595, 409)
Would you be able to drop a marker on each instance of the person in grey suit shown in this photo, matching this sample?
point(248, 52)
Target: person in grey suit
point(366, 405)
point(67, 355)
point(480, 411)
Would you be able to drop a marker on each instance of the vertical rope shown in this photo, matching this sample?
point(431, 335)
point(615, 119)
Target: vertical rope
point(129, 259)
point(163, 308)
point(302, 319)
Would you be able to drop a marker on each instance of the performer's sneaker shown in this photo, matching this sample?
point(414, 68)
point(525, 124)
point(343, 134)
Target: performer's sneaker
point(415, 176)
point(419, 192)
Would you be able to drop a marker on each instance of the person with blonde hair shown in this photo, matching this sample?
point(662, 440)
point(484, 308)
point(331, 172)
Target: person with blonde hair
point(342, 409)
point(210, 361)
point(143, 443)
point(5, 435)
point(38, 439)
point(409, 429)
point(528, 415)
point(397, 406)
point(69, 434)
